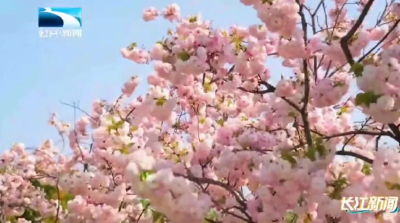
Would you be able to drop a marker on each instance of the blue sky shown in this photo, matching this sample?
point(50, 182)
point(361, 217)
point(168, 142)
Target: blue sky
point(37, 73)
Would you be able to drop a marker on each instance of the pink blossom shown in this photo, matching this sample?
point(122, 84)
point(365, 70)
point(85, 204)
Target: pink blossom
point(238, 124)
point(150, 14)
point(172, 12)
point(130, 86)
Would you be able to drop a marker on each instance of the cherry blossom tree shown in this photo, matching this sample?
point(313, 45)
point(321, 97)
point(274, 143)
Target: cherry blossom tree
point(215, 140)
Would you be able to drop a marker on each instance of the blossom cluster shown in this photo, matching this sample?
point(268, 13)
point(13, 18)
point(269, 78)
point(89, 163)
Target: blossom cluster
point(214, 140)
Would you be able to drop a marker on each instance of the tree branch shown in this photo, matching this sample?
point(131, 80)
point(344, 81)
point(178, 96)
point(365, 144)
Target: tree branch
point(355, 155)
point(304, 109)
point(359, 132)
point(396, 131)
point(381, 41)
point(345, 39)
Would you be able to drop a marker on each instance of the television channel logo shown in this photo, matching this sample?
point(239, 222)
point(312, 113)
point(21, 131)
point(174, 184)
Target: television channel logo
point(60, 22)
point(357, 205)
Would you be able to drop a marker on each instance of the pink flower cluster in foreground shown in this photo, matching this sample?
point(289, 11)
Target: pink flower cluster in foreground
point(214, 140)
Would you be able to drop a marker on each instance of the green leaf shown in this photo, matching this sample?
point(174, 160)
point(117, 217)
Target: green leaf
point(308, 218)
point(118, 125)
point(132, 46)
point(35, 183)
point(145, 174)
point(158, 217)
point(124, 150)
point(338, 186)
point(12, 219)
point(392, 186)
point(344, 110)
point(367, 98)
point(292, 114)
point(339, 84)
point(51, 193)
point(175, 145)
point(366, 169)
point(183, 152)
point(237, 40)
point(51, 219)
point(354, 38)
point(222, 200)
point(291, 217)
point(208, 87)
point(3, 170)
point(311, 153)
point(193, 19)
point(335, 38)
point(145, 202)
point(30, 215)
point(184, 56)
point(267, 1)
point(358, 69)
point(161, 101)
point(320, 147)
point(288, 156)
point(370, 59)
point(49, 190)
point(221, 122)
point(212, 215)
point(176, 125)
point(65, 198)
point(146, 205)
point(331, 37)
point(115, 125)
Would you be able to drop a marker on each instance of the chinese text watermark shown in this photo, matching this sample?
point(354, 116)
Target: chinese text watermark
point(355, 205)
point(60, 33)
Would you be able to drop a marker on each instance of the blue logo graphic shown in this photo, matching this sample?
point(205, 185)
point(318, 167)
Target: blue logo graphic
point(368, 211)
point(60, 17)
